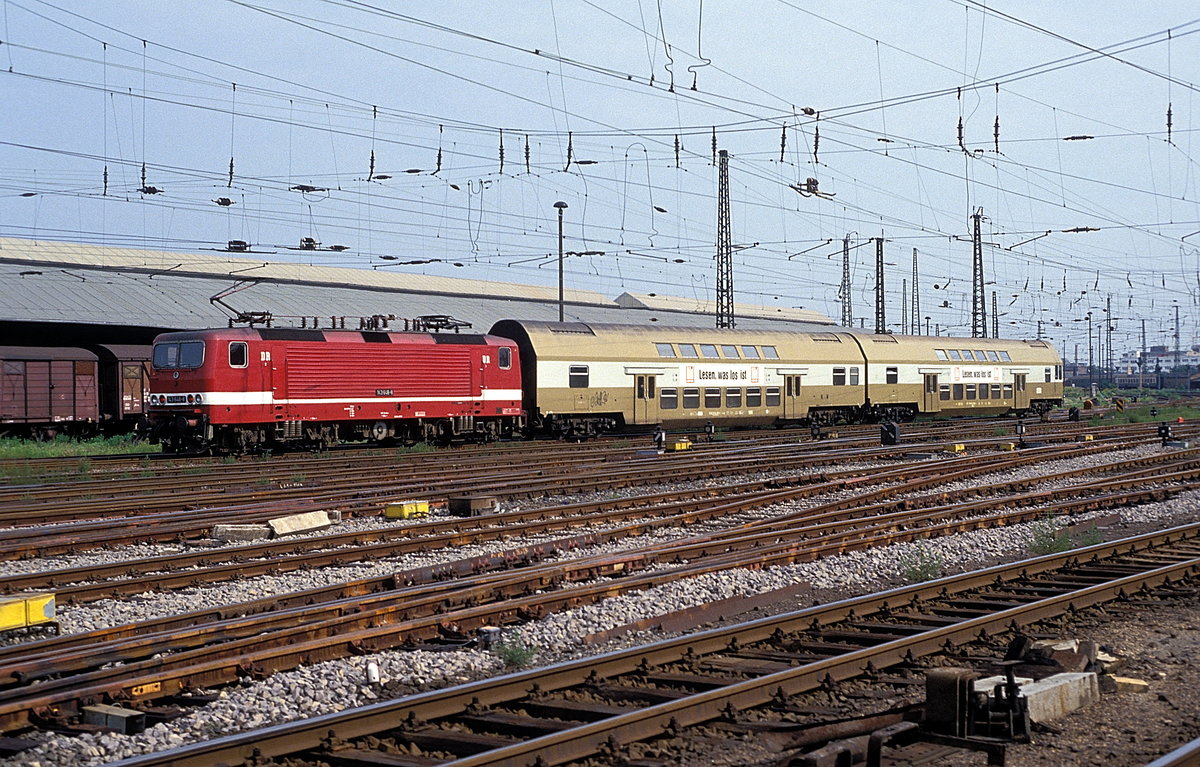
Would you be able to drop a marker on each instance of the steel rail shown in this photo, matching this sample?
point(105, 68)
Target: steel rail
point(317, 732)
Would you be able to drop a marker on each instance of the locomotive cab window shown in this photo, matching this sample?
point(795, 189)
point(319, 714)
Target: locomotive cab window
point(709, 351)
point(665, 350)
point(578, 376)
point(730, 351)
point(183, 355)
point(892, 375)
point(238, 356)
point(504, 358)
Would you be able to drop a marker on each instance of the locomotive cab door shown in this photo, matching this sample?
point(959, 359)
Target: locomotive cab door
point(1020, 395)
point(645, 399)
point(931, 403)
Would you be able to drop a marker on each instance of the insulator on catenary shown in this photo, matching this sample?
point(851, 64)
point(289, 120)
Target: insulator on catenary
point(782, 142)
point(501, 150)
point(570, 151)
point(371, 168)
point(677, 149)
point(961, 144)
point(714, 145)
point(816, 143)
point(1169, 125)
point(996, 134)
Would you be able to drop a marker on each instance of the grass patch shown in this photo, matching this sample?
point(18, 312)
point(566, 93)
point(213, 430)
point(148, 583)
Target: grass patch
point(420, 447)
point(513, 652)
point(65, 447)
point(920, 564)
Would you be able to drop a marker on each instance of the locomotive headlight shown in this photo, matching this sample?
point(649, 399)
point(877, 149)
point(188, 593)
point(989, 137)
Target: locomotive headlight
point(198, 399)
point(153, 399)
point(191, 399)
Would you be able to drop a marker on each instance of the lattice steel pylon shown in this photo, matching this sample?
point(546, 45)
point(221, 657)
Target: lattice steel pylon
point(978, 298)
point(916, 299)
point(725, 318)
point(847, 305)
point(880, 315)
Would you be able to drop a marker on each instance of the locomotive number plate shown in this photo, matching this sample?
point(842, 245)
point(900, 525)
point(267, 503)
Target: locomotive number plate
point(383, 392)
point(176, 399)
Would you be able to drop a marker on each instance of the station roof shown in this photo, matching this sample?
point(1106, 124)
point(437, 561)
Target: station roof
point(63, 282)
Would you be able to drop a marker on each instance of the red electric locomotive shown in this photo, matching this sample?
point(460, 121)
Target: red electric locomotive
point(254, 388)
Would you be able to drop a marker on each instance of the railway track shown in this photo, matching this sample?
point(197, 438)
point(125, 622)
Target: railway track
point(574, 710)
point(186, 570)
point(147, 512)
point(49, 681)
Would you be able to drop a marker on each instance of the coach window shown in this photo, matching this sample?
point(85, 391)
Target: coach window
point(691, 399)
point(504, 358)
point(1007, 391)
point(995, 391)
point(709, 351)
point(730, 351)
point(687, 350)
point(712, 398)
point(753, 397)
point(944, 392)
point(1049, 377)
point(665, 350)
point(773, 396)
point(1004, 356)
point(733, 397)
point(970, 392)
point(958, 391)
point(892, 375)
point(967, 356)
point(992, 356)
point(980, 356)
point(854, 376)
point(750, 352)
point(770, 353)
point(237, 354)
point(839, 376)
point(941, 354)
point(954, 355)
point(578, 376)
point(669, 399)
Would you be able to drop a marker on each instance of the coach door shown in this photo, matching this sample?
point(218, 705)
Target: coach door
point(931, 404)
point(1020, 396)
point(645, 399)
point(792, 405)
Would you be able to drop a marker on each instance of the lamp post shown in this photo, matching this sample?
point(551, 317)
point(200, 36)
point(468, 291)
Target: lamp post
point(561, 207)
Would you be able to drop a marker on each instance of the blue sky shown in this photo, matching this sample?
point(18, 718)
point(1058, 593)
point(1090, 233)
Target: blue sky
point(300, 93)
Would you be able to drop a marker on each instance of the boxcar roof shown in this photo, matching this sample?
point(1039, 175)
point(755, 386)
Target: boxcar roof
point(14, 353)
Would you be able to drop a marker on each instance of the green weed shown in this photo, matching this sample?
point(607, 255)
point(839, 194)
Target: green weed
point(513, 652)
point(920, 564)
point(65, 446)
point(1045, 537)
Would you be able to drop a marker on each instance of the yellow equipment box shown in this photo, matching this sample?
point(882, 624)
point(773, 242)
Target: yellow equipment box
point(1008, 446)
point(406, 510)
point(957, 448)
point(679, 444)
point(22, 610)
